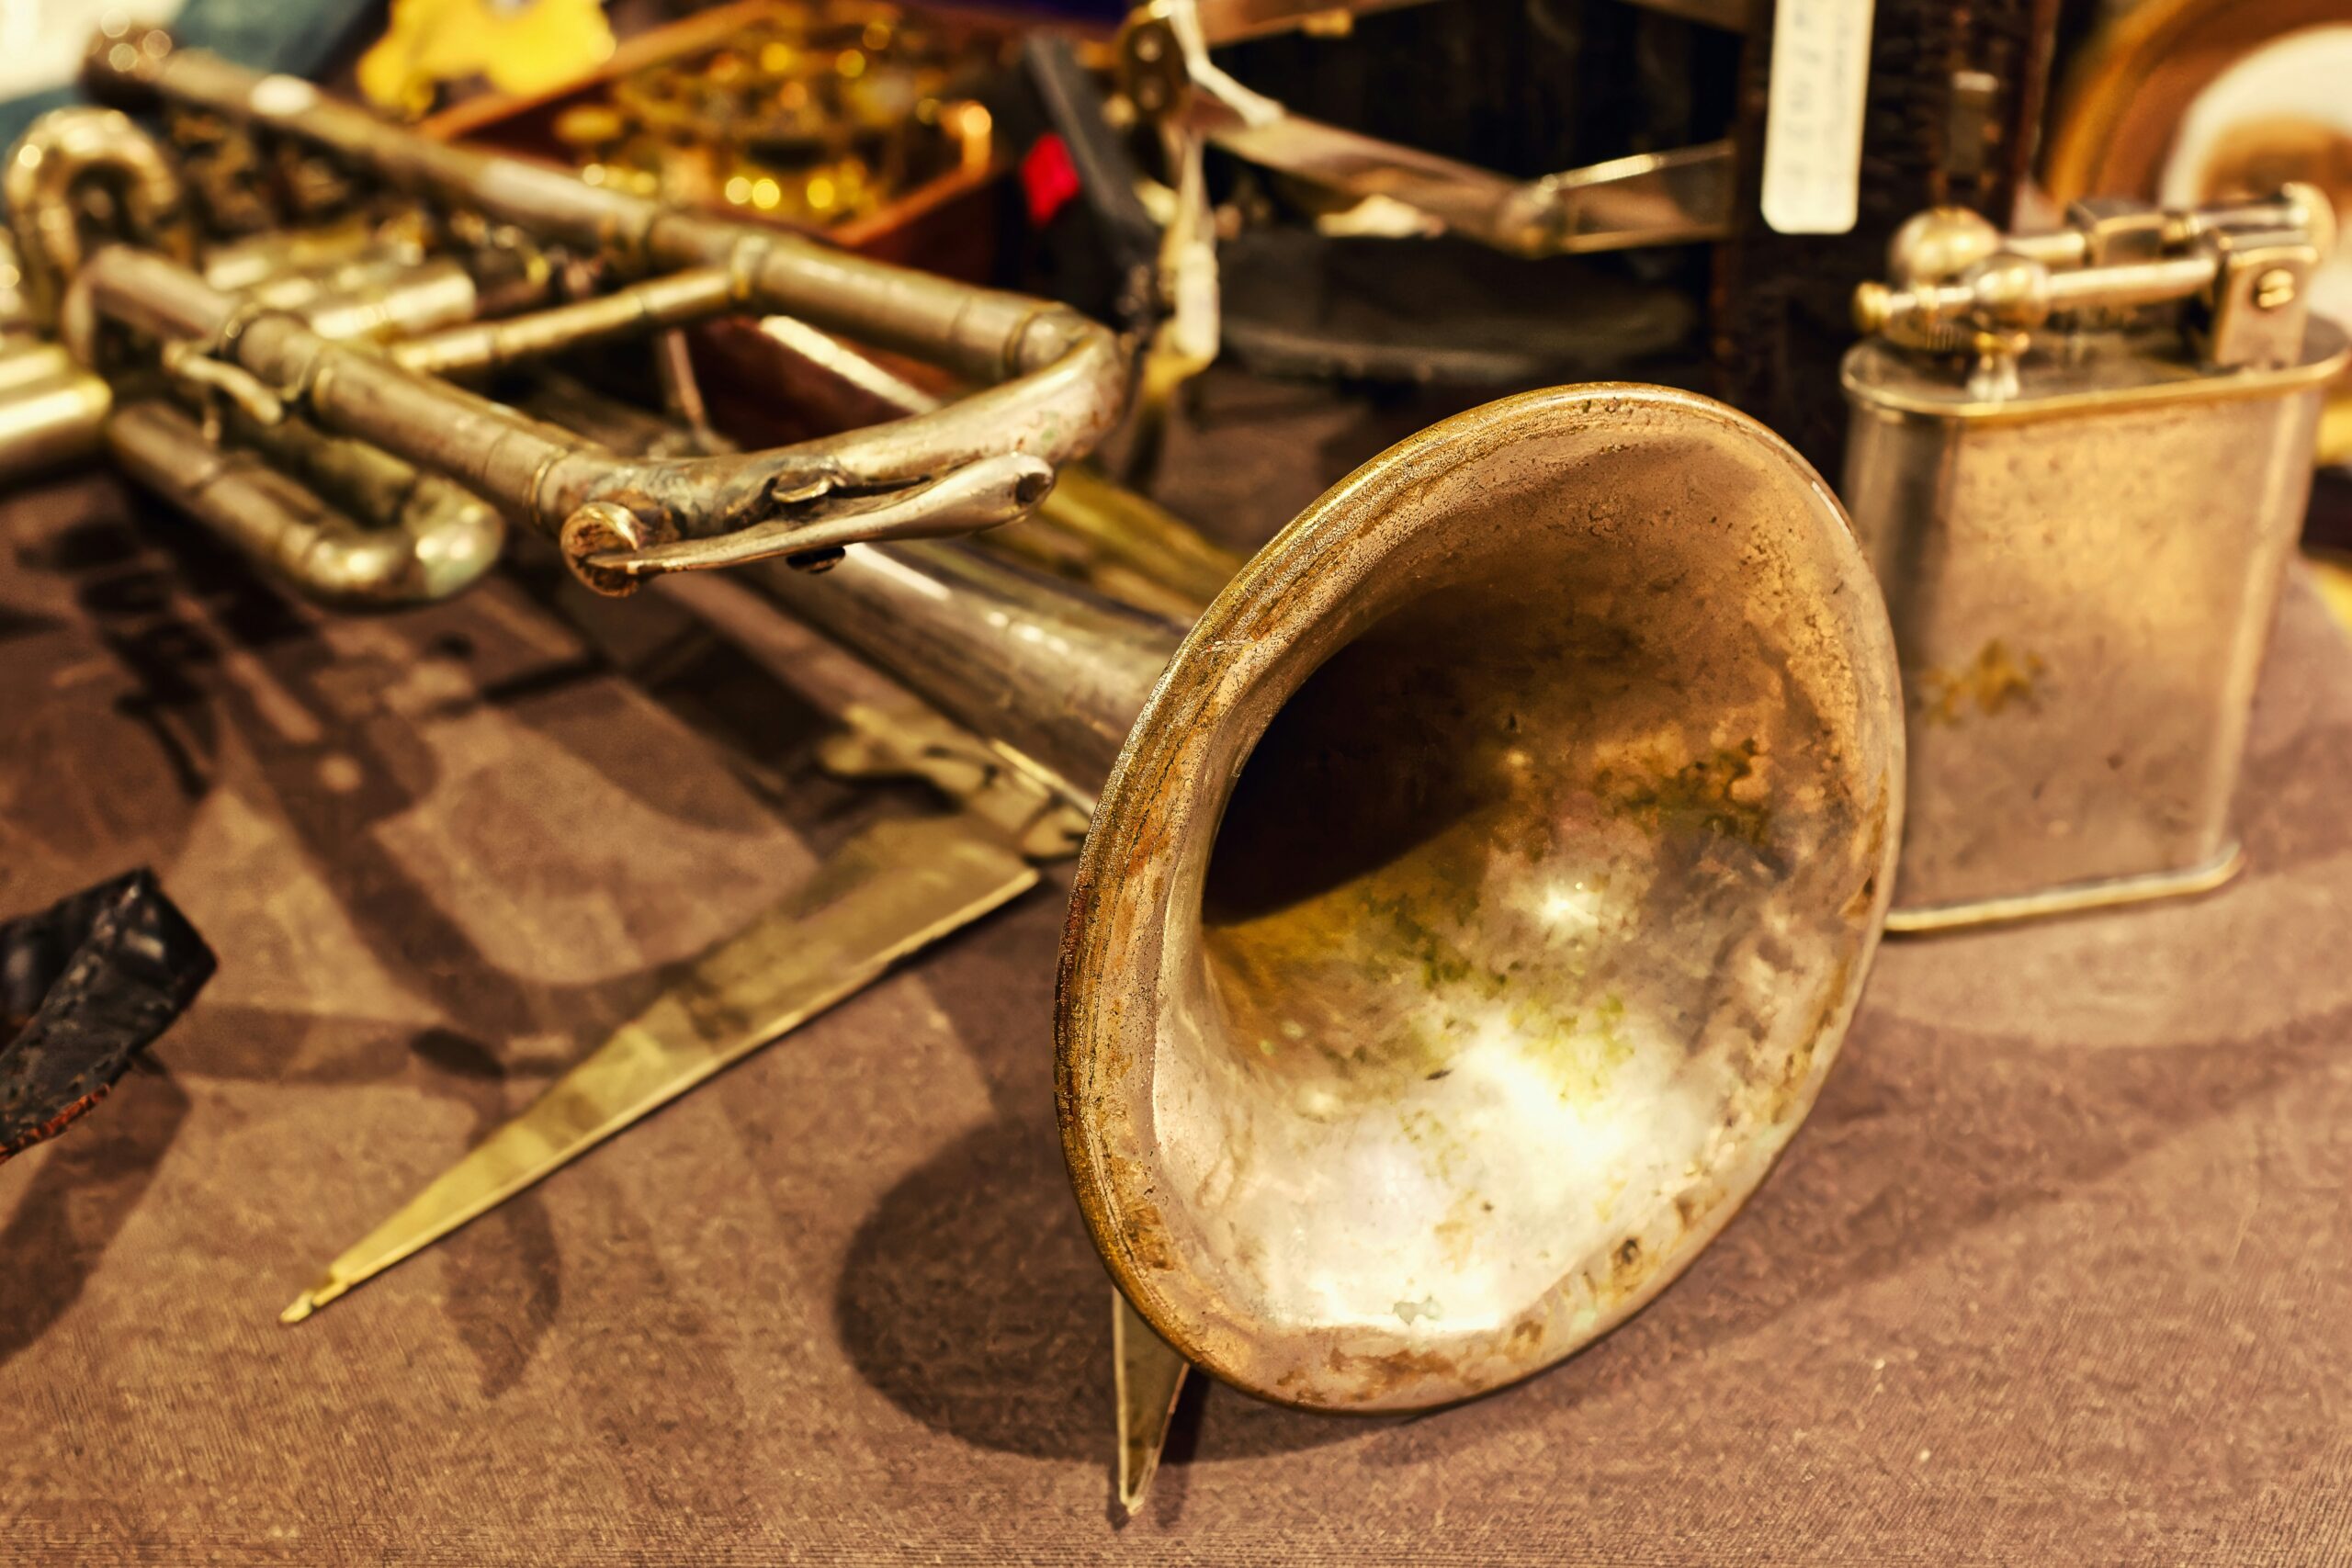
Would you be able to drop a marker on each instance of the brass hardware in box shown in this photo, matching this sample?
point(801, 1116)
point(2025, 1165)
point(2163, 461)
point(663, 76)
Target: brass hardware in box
point(2078, 461)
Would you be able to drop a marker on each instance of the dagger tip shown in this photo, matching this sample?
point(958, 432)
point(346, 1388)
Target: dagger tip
point(314, 1298)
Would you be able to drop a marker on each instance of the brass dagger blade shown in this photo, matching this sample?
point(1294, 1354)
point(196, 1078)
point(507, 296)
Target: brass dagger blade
point(1148, 1375)
point(889, 892)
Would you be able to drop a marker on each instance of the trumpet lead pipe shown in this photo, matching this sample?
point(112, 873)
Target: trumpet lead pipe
point(47, 421)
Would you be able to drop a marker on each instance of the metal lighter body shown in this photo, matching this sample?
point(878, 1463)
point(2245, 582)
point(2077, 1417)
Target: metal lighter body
point(2081, 536)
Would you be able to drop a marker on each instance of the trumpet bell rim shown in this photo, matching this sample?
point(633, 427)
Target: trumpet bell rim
point(1226, 1158)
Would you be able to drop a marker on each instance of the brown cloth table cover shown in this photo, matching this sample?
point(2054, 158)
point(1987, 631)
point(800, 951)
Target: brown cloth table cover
point(2060, 1272)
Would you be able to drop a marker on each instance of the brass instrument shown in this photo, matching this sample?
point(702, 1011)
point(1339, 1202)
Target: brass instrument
point(1051, 380)
point(1475, 894)
point(1479, 890)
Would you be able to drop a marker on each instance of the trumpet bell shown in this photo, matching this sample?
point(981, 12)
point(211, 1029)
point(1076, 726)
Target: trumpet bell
point(1480, 899)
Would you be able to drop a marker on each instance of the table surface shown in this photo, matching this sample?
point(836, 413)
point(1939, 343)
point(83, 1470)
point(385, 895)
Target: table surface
point(2060, 1270)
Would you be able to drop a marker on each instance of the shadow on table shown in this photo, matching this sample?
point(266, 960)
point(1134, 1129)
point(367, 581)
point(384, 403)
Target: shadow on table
point(216, 661)
point(1920, 1139)
point(1923, 1136)
point(971, 1295)
point(73, 1204)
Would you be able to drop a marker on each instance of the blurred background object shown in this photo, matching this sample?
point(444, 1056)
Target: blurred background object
point(1953, 95)
point(2183, 101)
point(41, 41)
point(2190, 101)
point(817, 115)
point(1414, 196)
point(515, 46)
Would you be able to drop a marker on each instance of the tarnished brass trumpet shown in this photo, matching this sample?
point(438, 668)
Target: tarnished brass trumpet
point(1477, 892)
point(1480, 890)
point(1051, 380)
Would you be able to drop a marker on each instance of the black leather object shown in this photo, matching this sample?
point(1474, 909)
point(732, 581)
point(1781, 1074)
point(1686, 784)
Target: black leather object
point(85, 987)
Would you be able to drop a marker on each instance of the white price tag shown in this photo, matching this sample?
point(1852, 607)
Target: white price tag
point(1813, 117)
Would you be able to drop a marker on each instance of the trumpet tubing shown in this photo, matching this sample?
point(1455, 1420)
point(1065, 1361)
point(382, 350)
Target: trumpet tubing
point(359, 527)
point(1049, 381)
point(51, 410)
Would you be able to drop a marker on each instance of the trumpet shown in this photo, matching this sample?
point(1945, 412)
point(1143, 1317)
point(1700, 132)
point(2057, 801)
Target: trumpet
point(1050, 380)
point(1477, 892)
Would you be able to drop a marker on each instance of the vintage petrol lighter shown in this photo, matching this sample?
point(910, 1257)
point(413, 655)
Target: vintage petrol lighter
point(2079, 461)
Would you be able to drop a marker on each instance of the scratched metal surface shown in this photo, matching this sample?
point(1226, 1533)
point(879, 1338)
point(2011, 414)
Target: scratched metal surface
point(2061, 1268)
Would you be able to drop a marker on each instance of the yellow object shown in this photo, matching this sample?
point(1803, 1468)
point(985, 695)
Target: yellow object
point(887, 894)
point(528, 48)
point(2336, 428)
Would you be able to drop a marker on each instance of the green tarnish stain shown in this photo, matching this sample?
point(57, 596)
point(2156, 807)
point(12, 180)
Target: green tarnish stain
point(1989, 682)
point(1581, 1056)
point(1703, 797)
point(1439, 1144)
point(1414, 950)
point(1416, 935)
